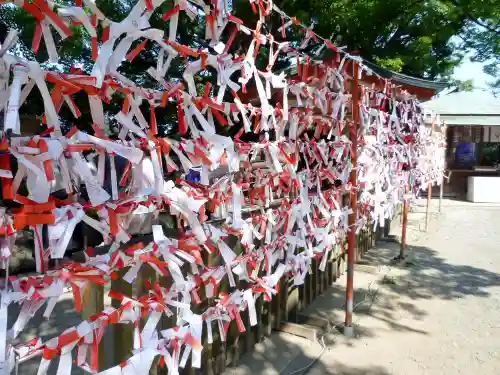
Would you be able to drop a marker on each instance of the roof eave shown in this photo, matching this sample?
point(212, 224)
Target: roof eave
point(407, 80)
point(436, 86)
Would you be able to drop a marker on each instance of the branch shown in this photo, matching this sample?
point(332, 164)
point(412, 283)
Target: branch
point(485, 25)
point(475, 19)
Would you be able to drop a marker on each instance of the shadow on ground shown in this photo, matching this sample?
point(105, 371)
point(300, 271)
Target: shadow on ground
point(389, 302)
point(281, 354)
point(430, 276)
point(388, 298)
point(287, 355)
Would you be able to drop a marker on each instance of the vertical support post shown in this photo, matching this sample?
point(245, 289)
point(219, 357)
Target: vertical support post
point(93, 304)
point(387, 228)
point(404, 218)
point(427, 208)
point(146, 273)
point(441, 193)
point(123, 334)
point(351, 236)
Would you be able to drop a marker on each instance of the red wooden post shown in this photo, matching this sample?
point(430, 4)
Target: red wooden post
point(427, 209)
point(405, 224)
point(351, 236)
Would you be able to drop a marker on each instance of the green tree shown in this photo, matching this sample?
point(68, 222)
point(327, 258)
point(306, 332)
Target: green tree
point(459, 85)
point(414, 37)
point(409, 36)
point(481, 36)
point(76, 51)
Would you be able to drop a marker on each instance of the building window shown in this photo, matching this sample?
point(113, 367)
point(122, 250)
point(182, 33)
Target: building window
point(471, 146)
point(491, 154)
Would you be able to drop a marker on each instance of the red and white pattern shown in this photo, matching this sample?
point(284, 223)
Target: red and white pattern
point(272, 198)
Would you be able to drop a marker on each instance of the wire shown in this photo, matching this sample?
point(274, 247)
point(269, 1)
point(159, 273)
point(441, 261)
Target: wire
point(321, 341)
point(339, 49)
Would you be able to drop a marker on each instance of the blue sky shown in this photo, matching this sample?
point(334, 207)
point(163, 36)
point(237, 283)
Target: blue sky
point(474, 71)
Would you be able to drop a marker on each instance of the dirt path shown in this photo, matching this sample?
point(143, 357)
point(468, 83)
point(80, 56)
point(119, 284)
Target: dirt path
point(441, 314)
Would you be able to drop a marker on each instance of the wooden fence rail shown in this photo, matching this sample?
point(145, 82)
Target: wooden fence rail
point(284, 307)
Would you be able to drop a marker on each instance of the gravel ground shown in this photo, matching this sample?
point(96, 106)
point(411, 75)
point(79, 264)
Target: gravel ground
point(438, 315)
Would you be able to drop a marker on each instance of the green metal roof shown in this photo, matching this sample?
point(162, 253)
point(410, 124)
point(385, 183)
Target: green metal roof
point(467, 108)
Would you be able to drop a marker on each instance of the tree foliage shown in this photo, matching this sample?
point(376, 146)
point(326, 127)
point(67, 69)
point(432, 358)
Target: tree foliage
point(415, 37)
point(422, 38)
point(459, 85)
point(410, 36)
point(481, 36)
point(76, 51)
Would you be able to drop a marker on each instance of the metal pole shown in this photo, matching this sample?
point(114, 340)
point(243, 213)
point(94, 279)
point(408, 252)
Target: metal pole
point(405, 224)
point(351, 236)
point(427, 208)
point(441, 193)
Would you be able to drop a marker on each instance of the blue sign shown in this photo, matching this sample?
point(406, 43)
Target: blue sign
point(465, 154)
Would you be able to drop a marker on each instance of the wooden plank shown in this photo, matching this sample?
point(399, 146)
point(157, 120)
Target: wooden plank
point(357, 249)
point(267, 318)
point(223, 352)
point(361, 246)
point(365, 242)
point(259, 328)
point(308, 288)
point(370, 238)
point(93, 303)
point(299, 330)
point(283, 295)
point(315, 321)
point(335, 269)
point(293, 303)
point(146, 274)
point(247, 338)
point(276, 312)
point(167, 322)
point(208, 358)
point(236, 339)
point(189, 369)
point(302, 297)
point(314, 279)
point(265, 323)
point(329, 266)
point(325, 272)
point(123, 334)
point(231, 346)
point(321, 280)
point(367, 239)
